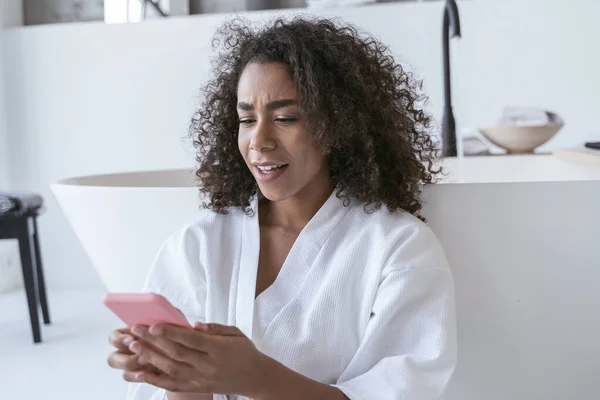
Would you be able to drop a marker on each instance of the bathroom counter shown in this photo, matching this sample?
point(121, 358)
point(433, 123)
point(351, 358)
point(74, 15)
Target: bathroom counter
point(517, 169)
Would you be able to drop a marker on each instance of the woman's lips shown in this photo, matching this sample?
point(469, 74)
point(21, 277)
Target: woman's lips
point(268, 176)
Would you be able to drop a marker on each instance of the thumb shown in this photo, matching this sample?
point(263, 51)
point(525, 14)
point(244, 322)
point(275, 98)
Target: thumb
point(218, 329)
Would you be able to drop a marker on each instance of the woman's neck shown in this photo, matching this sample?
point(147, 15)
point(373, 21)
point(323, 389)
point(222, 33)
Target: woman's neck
point(294, 213)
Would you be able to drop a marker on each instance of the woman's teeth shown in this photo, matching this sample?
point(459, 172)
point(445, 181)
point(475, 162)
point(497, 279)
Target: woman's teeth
point(269, 168)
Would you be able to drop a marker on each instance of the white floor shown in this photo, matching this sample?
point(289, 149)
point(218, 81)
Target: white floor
point(70, 363)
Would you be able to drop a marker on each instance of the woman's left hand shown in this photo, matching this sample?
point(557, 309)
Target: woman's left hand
point(210, 358)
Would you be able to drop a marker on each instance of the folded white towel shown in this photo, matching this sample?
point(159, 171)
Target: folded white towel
point(474, 146)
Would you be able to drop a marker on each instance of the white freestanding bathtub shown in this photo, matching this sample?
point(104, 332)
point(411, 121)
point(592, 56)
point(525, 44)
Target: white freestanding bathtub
point(521, 233)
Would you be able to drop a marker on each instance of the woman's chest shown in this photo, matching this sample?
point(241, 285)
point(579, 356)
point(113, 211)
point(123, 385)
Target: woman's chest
point(314, 336)
point(315, 322)
point(275, 245)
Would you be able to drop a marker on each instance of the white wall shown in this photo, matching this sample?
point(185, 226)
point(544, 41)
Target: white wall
point(4, 162)
point(11, 15)
point(535, 53)
point(95, 98)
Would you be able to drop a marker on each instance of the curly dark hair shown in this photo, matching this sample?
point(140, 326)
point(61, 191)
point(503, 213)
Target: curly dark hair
point(359, 103)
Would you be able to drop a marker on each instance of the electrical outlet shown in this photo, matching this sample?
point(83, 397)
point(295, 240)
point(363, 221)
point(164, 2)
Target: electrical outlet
point(10, 266)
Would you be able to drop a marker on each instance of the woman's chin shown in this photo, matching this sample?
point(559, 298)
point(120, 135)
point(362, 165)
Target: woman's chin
point(273, 194)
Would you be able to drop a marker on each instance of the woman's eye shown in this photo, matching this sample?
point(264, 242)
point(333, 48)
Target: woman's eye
point(246, 121)
point(286, 120)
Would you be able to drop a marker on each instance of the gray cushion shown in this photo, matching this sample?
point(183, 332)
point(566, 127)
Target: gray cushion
point(19, 203)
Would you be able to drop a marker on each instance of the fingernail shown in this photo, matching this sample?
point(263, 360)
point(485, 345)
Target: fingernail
point(135, 347)
point(143, 359)
point(127, 340)
point(137, 330)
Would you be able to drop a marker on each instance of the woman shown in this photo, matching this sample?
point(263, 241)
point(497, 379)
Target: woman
point(313, 277)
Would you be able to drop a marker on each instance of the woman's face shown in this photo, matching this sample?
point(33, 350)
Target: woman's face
point(273, 136)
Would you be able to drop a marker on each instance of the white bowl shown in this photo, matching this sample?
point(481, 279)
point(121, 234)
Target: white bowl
point(520, 139)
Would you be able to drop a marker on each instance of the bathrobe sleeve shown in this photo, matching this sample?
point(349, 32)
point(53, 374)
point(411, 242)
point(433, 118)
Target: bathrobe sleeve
point(177, 275)
point(409, 348)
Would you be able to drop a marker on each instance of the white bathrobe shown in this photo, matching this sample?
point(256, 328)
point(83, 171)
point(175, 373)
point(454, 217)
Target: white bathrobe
point(364, 302)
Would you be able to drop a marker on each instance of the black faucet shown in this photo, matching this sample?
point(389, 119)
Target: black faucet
point(451, 24)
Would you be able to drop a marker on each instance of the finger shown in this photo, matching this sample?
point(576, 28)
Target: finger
point(169, 383)
point(120, 340)
point(175, 369)
point(218, 329)
point(187, 337)
point(174, 350)
point(129, 363)
point(123, 361)
point(131, 376)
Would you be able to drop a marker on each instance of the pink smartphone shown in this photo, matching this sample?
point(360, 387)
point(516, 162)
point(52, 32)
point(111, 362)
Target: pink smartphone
point(144, 309)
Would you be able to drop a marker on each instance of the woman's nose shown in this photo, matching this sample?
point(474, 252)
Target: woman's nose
point(262, 139)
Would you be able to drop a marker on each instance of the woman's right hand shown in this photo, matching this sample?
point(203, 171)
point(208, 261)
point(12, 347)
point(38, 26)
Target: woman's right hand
point(124, 359)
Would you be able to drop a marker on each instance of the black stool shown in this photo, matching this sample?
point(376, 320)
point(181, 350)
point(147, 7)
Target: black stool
point(16, 226)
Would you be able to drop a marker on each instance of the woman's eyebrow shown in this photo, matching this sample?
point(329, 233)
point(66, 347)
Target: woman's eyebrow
point(242, 105)
point(273, 105)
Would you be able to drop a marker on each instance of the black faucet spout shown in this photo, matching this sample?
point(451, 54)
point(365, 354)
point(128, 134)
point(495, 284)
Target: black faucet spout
point(450, 29)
